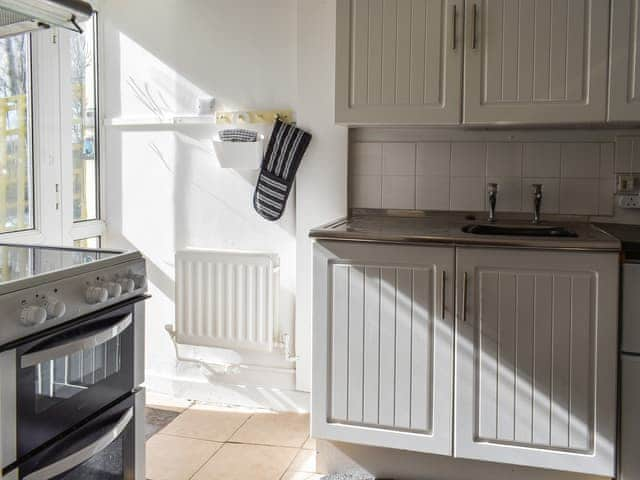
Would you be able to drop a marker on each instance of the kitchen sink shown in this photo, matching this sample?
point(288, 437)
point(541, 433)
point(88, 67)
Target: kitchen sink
point(519, 230)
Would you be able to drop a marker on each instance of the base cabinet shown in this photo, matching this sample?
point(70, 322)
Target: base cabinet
point(536, 356)
point(383, 345)
point(534, 349)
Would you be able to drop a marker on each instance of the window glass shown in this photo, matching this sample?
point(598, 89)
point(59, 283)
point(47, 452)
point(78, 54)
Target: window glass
point(92, 242)
point(84, 131)
point(16, 163)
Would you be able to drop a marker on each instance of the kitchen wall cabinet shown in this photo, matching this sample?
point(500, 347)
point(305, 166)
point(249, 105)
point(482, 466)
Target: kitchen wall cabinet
point(536, 350)
point(383, 345)
point(624, 83)
point(524, 61)
point(398, 61)
point(542, 61)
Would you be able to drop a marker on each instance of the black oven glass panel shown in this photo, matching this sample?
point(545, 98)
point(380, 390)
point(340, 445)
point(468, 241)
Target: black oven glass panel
point(107, 465)
point(102, 449)
point(69, 375)
point(65, 378)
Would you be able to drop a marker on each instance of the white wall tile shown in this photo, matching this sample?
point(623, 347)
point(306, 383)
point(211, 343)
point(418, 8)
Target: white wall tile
point(399, 159)
point(606, 160)
point(509, 193)
point(606, 196)
point(399, 191)
point(550, 194)
point(366, 159)
point(581, 160)
point(468, 193)
point(433, 159)
point(432, 192)
point(623, 155)
point(366, 191)
point(468, 159)
point(504, 159)
point(541, 160)
point(579, 196)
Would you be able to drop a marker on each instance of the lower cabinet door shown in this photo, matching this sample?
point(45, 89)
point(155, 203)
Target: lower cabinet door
point(383, 345)
point(536, 343)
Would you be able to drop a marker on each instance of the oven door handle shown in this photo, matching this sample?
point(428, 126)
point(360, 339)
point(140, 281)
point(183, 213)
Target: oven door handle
point(78, 458)
point(79, 344)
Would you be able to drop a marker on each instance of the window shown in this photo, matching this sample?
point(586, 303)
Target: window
point(49, 137)
point(84, 132)
point(91, 242)
point(16, 165)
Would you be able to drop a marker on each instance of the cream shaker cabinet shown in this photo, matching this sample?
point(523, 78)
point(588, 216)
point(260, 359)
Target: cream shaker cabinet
point(383, 345)
point(398, 61)
point(526, 339)
point(624, 83)
point(536, 356)
point(481, 62)
point(535, 61)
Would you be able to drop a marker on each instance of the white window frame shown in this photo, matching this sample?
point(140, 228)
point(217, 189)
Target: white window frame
point(51, 145)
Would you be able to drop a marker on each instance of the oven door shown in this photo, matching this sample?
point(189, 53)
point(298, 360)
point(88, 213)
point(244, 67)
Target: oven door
point(67, 377)
point(108, 446)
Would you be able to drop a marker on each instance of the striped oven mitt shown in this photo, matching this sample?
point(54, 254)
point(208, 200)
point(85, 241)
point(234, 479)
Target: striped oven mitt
point(279, 166)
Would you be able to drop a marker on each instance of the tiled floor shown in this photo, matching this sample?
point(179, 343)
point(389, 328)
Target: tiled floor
point(205, 442)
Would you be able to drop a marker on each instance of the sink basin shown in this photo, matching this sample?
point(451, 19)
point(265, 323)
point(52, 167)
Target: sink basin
point(519, 230)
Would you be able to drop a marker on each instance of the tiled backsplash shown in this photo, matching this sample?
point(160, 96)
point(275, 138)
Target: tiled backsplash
point(577, 177)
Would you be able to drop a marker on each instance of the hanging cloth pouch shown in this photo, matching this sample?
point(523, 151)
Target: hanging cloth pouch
point(279, 166)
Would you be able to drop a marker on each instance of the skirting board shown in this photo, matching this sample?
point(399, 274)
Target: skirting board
point(233, 394)
point(335, 457)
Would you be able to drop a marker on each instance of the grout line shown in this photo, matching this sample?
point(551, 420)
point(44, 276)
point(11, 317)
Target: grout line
point(290, 463)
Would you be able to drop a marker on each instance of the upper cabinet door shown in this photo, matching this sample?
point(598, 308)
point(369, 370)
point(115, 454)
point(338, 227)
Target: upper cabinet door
point(536, 61)
point(536, 355)
point(624, 81)
point(398, 61)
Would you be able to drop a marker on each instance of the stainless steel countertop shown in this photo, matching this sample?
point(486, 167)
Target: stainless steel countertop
point(447, 229)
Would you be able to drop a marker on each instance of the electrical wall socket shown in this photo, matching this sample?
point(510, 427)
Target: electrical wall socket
point(627, 183)
point(629, 201)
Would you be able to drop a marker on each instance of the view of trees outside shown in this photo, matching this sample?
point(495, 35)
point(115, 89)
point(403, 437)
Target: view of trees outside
point(16, 165)
point(83, 135)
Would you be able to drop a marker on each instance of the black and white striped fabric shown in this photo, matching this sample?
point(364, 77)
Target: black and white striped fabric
point(279, 166)
point(238, 135)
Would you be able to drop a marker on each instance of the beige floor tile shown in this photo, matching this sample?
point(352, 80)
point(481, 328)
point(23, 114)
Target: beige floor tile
point(177, 458)
point(310, 444)
point(305, 461)
point(243, 462)
point(280, 429)
point(301, 476)
point(166, 402)
point(207, 422)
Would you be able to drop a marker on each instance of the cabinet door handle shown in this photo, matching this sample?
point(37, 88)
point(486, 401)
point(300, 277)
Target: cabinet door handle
point(444, 295)
point(454, 29)
point(465, 281)
point(474, 36)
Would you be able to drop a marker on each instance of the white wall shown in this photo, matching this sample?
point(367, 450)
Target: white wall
point(322, 179)
point(165, 189)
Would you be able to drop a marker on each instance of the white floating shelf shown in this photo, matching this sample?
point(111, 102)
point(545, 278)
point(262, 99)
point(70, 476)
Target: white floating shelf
point(156, 121)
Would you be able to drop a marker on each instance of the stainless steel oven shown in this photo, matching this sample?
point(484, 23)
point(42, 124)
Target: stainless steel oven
point(109, 446)
point(54, 381)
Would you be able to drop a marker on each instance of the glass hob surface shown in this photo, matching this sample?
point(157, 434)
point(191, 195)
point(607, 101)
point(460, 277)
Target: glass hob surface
point(18, 262)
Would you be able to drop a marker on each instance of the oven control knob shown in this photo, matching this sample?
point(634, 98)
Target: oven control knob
point(127, 284)
point(32, 316)
point(96, 295)
point(54, 307)
point(114, 289)
point(139, 280)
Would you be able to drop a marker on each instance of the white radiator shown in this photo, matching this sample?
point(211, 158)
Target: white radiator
point(226, 298)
